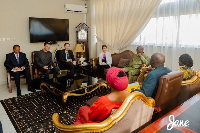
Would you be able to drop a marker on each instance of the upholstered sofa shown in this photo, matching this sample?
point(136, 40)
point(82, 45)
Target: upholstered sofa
point(189, 88)
point(127, 54)
point(135, 111)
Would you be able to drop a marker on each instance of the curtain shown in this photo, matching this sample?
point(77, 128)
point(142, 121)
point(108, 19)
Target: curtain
point(173, 30)
point(118, 22)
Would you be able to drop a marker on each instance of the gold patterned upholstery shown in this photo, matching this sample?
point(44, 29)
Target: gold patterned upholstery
point(145, 70)
point(135, 111)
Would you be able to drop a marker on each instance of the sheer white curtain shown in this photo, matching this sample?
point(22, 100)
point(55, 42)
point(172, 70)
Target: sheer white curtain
point(173, 30)
point(118, 22)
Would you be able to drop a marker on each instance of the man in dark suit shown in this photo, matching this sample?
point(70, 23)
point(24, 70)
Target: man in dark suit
point(17, 63)
point(67, 60)
point(150, 84)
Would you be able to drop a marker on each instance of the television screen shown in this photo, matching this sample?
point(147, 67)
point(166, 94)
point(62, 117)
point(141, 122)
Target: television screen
point(48, 29)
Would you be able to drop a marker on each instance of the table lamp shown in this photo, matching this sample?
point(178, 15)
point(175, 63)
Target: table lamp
point(78, 48)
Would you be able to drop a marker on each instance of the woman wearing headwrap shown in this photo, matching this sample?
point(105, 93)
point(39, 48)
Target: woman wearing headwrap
point(102, 108)
point(185, 63)
point(105, 61)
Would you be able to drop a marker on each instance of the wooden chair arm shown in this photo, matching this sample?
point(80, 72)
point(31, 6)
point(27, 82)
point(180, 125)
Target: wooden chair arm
point(94, 61)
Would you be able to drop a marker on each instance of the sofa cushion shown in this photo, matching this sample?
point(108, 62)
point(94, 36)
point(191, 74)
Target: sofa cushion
point(125, 55)
point(123, 63)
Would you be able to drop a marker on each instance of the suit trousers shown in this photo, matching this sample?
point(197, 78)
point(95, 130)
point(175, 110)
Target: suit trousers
point(100, 70)
point(48, 71)
point(16, 75)
point(69, 66)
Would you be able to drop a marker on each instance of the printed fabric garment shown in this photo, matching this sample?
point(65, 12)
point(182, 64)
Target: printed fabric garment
point(98, 112)
point(135, 66)
point(187, 72)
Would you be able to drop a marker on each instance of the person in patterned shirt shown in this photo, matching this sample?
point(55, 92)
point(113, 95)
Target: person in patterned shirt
point(136, 63)
point(185, 63)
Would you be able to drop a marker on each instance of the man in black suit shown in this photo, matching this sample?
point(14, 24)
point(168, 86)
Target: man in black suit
point(17, 63)
point(67, 60)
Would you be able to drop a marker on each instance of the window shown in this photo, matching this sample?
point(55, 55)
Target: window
point(176, 23)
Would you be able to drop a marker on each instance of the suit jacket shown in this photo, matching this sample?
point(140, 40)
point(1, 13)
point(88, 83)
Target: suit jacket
point(62, 56)
point(11, 61)
point(150, 84)
point(43, 59)
point(108, 58)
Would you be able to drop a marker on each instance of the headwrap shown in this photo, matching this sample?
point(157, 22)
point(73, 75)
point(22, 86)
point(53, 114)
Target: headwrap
point(115, 80)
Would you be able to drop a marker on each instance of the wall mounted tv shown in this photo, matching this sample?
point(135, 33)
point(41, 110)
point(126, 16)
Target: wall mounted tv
point(48, 29)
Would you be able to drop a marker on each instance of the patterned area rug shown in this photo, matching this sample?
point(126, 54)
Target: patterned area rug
point(32, 113)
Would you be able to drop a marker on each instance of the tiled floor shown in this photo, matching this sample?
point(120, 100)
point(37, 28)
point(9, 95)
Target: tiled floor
point(6, 123)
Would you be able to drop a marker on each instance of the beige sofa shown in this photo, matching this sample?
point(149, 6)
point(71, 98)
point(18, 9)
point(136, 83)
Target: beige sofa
point(135, 111)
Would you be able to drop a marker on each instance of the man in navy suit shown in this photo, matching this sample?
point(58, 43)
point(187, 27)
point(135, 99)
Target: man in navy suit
point(150, 84)
point(17, 63)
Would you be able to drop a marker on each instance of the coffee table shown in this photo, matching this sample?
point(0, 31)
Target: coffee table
point(64, 88)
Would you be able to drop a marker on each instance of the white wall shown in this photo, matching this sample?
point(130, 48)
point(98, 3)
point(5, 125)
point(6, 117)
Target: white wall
point(14, 16)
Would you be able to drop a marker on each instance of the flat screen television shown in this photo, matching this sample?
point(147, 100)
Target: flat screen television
point(48, 29)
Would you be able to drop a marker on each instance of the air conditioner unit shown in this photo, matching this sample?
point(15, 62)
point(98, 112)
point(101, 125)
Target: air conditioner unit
point(75, 8)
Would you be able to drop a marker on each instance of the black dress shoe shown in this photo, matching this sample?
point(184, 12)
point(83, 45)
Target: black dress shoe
point(31, 89)
point(18, 92)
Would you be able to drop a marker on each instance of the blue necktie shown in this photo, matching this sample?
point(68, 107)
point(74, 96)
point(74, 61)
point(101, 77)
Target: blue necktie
point(18, 58)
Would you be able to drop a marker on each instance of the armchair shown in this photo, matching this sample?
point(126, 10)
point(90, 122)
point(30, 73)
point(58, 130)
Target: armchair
point(35, 72)
point(10, 78)
point(189, 88)
point(168, 89)
point(135, 111)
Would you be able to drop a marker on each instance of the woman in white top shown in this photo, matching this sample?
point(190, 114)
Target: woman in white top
point(105, 61)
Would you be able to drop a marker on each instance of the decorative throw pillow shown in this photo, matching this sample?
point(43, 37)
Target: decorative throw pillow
point(123, 63)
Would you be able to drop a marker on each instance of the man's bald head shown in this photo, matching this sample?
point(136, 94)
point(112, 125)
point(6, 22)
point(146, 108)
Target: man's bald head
point(140, 49)
point(157, 60)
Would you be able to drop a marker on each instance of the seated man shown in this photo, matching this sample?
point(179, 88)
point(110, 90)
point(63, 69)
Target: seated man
point(67, 60)
point(150, 84)
point(185, 63)
point(17, 63)
point(136, 63)
point(44, 62)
